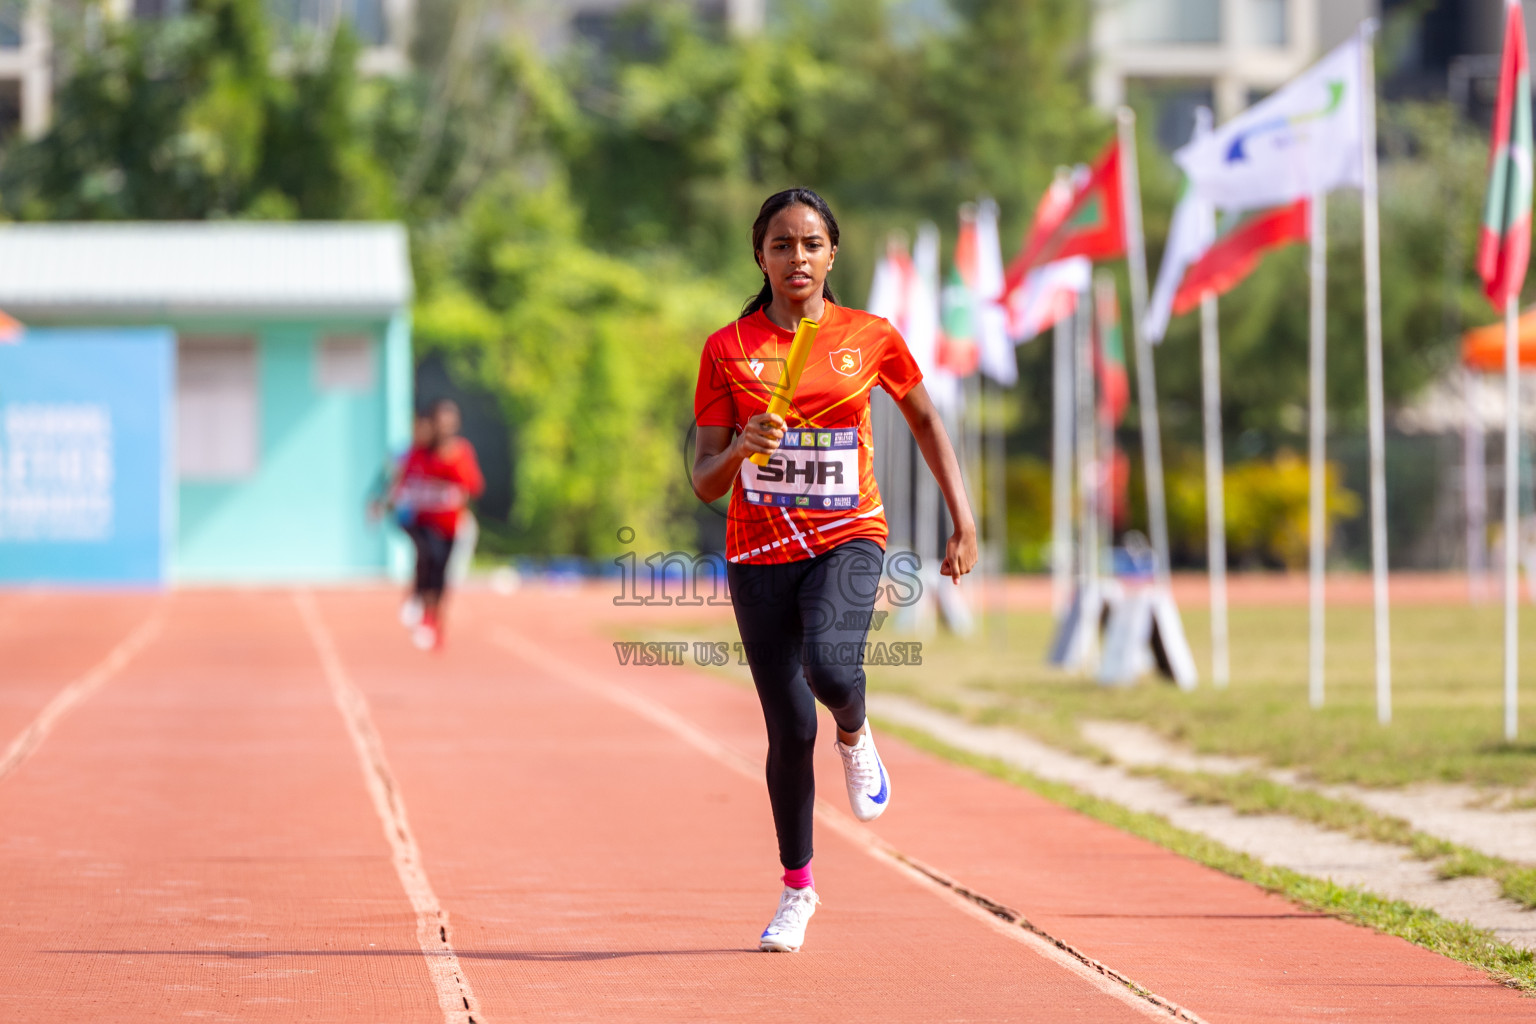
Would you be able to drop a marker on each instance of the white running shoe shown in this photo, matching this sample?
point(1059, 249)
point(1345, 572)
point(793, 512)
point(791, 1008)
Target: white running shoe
point(411, 612)
point(424, 637)
point(869, 787)
point(786, 932)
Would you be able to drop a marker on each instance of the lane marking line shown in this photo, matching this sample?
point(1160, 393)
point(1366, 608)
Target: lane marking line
point(454, 995)
point(999, 918)
point(76, 693)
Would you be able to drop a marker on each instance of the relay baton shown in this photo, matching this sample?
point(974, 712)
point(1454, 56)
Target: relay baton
point(784, 393)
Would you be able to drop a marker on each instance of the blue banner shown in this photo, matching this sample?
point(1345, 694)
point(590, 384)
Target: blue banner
point(85, 456)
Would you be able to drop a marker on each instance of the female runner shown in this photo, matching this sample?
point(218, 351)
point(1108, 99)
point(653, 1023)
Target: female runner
point(437, 482)
point(806, 533)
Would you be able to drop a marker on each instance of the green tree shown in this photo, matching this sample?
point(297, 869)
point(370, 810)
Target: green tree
point(183, 118)
point(593, 359)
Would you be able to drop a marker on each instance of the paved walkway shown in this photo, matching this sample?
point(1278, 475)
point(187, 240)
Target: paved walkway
point(266, 806)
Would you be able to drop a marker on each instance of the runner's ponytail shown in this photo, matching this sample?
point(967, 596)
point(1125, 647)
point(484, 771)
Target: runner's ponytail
point(771, 206)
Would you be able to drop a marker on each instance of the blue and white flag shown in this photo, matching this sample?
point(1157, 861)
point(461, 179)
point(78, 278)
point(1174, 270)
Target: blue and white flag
point(1301, 141)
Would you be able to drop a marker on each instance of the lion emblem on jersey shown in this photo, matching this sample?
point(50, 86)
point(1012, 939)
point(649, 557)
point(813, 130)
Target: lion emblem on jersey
point(847, 361)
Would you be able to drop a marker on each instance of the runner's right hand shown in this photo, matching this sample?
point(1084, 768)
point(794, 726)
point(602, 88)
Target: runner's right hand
point(762, 434)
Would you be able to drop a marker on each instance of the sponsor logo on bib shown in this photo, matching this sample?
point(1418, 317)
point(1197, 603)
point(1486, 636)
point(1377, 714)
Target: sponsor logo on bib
point(847, 361)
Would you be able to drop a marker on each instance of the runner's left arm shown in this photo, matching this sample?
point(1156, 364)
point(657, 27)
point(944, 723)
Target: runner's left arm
point(932, 440)
point(470, 477)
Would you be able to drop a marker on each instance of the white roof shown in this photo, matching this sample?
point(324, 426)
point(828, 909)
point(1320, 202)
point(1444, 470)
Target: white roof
point(191, 268)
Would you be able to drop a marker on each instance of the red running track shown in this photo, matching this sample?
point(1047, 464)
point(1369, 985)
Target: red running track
point(201, 834)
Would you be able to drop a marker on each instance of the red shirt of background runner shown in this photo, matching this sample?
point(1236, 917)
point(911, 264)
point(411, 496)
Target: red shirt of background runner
point(854, 351)
point(454, 464)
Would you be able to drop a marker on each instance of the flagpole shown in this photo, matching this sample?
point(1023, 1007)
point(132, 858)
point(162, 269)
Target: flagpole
point(1104, 297)
point(1215, 503)
point(1475, 479)
point(1146, 380)
point(970, 388)
point(997, 482)
point(1317, 443)
point(1511, 516)
point(1061, 464)
point(1374, 391)
point(1088, 548)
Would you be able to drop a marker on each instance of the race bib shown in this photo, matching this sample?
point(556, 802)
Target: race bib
point(424, 494)
point(812, 469)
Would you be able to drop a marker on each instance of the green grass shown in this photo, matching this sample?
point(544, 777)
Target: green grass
point(1447, 694)
point(1459, 941)
point(1254, 794)
point(1247, 793)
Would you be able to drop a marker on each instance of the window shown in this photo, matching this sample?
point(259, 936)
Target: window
point(1266, 22)
point(345, 363)
point(217, 392)
point(10, 108)
point(1169, 104)
point(1172, 21)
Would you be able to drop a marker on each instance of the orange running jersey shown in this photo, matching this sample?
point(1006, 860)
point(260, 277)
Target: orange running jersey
point(818, 490)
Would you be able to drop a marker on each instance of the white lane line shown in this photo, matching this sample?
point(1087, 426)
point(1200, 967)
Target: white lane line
point(76, 693)
point(453, 992)
point(1003, 920)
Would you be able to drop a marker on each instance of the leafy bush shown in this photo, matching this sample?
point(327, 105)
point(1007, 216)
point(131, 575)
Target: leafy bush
point(1267, 510)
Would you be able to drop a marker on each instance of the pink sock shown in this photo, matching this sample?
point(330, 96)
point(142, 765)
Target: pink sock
point(799, 878)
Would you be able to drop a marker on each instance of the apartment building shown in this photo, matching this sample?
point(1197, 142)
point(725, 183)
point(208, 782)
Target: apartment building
point(26, 48)
point(1175, 55)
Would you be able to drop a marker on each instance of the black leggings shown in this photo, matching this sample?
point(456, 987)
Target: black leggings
point(811, 615)
point(432, 550)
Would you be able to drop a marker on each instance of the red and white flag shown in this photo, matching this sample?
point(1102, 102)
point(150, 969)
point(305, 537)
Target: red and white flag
point(905, 292)
point(1504, 247)
point(1092, 224)
point(1189, 235)
point(1233, 256)
point(1048, 295)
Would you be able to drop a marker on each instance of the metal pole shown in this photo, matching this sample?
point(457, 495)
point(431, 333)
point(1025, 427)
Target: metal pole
point(1061, 464)
point(1475, 480)
point(1215, 504)
point(1374, 391)
point(1146, 379)
point(1318, 444)
point(1511, 517)
point(971, 388)
point(997, 503)
point(1088, 558)
point(1104, 301)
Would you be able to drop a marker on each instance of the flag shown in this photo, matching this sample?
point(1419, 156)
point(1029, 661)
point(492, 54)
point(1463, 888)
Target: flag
point(1302, 140)
point(997, 358)
point(890, 293)
point(903, 293)
point(973, 323)
point(1109, 358)
point(1504, 247)
point(1233, 256)
point(896, 293)
point(958, 351)
point(1114, 394)
point(943, 386)
point(1054, 206)
point(1092, 226)
point(1191, 233)
point(1047, 295)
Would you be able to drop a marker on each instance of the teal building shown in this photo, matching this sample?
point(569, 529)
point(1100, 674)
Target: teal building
point(290, 384)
